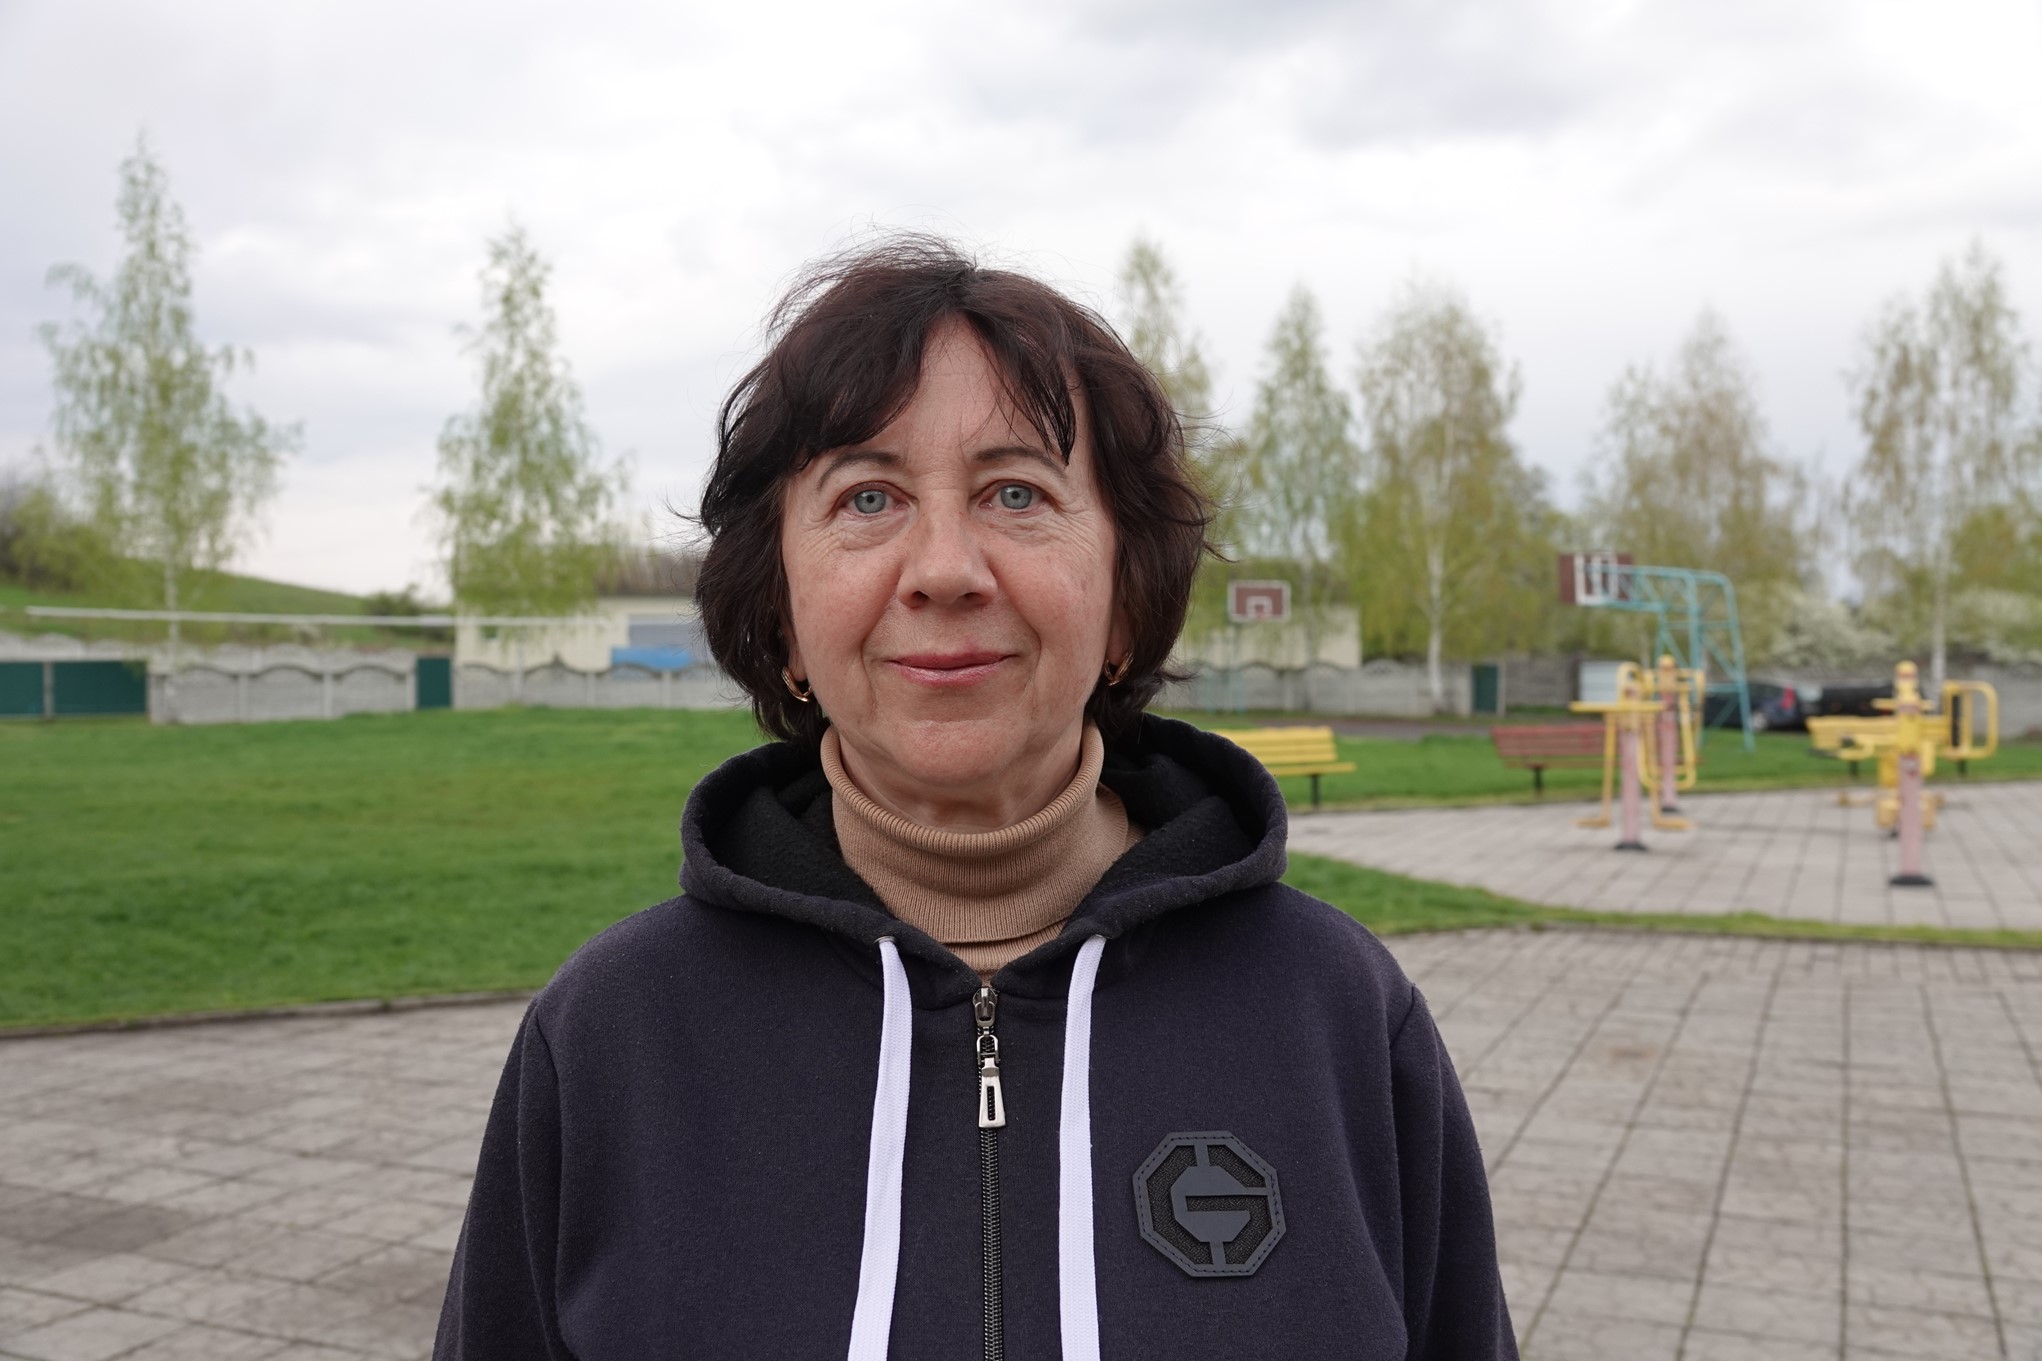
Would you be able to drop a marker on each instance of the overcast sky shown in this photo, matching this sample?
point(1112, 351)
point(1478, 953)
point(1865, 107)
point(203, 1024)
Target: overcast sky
point(1591, 174)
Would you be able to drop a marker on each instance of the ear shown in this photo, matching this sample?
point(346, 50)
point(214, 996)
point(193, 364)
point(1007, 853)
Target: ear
point(1119, 637)
point(794, 666)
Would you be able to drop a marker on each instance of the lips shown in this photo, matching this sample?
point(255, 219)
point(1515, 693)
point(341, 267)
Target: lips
point(947, 670)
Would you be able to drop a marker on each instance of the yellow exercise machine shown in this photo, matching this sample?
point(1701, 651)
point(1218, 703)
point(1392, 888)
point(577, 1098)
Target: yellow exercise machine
point(1673, 761)
point(1906, 744)
point(1964, 730)
point(1649, 741)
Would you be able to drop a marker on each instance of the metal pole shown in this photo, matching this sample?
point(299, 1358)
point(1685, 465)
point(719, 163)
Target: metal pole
point(1907, 709)
point(1633, 792)
point(1669, 736)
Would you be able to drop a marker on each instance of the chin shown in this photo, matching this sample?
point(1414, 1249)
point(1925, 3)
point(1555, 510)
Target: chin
point(957, 753)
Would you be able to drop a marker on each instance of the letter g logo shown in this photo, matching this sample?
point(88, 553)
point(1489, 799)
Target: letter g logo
point(1209, 1204)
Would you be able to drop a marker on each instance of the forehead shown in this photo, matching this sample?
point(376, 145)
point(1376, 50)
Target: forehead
point(961, 390)
point(964, 407)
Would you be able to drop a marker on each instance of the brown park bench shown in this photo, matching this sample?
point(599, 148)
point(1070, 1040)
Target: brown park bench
point(1293, 751)
point(1538, 746)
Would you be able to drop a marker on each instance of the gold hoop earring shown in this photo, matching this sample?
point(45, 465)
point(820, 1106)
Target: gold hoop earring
point(801, 690)
point(1116, 674)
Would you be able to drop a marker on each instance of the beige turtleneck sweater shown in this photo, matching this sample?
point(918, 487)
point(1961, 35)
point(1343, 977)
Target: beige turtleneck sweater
point(991, 897)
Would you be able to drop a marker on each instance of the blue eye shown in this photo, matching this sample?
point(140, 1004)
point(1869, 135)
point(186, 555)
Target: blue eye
point(1017, 496)
point(869, 501)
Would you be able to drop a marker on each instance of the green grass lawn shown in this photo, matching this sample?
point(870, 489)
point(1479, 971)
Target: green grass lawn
point(157, 869)
point(1455, 770)
point(148, 870)
point(1391, 904)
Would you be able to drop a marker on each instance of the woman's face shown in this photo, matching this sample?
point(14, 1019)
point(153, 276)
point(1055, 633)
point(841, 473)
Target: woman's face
point(951, 591)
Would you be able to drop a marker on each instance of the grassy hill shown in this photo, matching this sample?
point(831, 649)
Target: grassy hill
point(224, 592)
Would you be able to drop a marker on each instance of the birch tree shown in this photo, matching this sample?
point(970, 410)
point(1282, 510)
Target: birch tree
point(1937, 394)
point(169, 473)
point(1688, 478)
point(525, 497)
point(1152, 312)
point(1448, 504)
point(1294, 472)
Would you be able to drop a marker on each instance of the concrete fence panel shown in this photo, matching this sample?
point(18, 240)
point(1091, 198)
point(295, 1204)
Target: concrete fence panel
point(210, 694)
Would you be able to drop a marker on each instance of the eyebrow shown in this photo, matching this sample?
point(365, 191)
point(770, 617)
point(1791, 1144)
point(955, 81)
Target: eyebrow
point(1001, 453)
point(839, 460)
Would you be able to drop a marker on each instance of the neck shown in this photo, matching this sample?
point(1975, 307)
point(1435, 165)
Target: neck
point(1012, 794)
point(990, 896)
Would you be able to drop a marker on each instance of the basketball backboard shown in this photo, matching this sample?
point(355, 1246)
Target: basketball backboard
point(1593, 579)
point(1258, 602)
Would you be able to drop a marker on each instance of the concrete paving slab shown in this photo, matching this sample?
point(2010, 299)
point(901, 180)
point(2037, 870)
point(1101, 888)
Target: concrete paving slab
point(1785, 853)
point(1698, 1148)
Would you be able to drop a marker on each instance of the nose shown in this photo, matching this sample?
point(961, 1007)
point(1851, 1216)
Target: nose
point(945, 562)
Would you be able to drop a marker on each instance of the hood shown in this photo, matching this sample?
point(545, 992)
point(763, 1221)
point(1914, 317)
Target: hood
point(758, 836)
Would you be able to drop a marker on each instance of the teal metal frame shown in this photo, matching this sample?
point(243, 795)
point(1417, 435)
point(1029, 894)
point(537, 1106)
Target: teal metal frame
point(1695, 617)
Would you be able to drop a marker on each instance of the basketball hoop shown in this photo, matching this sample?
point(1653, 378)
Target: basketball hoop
point(1258, 602)
point(1593, 579)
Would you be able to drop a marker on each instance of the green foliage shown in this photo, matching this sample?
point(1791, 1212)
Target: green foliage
point(525, 499)
point(406, 602)
point(1152, 313)
point(1293, 475)
point(1938, 393)
point(1452, 539)
point(1686, 479)
point(1152, 310)
point(165, 468)
point(42, 545)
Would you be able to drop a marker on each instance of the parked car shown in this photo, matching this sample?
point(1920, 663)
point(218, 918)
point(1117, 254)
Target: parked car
point(1774, 707)
point(1850, 701)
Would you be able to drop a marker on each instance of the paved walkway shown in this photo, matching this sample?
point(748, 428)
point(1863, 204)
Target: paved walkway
point(1700, 1148)
point(1788, 853)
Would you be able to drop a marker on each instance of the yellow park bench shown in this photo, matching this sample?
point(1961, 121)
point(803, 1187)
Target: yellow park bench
point(1292, 751)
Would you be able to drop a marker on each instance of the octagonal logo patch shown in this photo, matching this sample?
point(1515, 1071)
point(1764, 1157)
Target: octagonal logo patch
point(1209, 1204)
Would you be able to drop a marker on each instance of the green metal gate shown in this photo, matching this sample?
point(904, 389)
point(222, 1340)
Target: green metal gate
point(1488, 689)
point(100, 688)
point(434, 682)
point(62, 689)
point(21, 689)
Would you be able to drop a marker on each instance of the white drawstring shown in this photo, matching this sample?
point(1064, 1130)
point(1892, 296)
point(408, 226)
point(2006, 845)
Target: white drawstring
point(1077, 1282)
point(879, 1261)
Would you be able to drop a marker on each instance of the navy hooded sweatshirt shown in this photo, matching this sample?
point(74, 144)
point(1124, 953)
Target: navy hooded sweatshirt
point(758, 1119)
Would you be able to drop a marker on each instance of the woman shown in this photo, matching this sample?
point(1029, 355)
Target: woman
point(983, 1025)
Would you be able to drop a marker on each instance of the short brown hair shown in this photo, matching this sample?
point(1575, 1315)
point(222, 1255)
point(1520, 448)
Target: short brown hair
point(846, 358)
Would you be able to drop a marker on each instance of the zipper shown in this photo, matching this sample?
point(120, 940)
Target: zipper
point(992, 1117)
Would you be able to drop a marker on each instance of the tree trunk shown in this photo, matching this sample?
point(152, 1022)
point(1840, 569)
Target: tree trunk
point(1939, 633)
point(170, 672)
point(1434, 678)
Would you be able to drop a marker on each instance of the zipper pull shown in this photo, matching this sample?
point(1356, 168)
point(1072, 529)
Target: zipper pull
point(992, 1102)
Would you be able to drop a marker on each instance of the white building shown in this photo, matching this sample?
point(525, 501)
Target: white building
point(660, 631)
point(1287, 646)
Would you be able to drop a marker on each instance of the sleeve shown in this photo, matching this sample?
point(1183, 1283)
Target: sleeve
point(500, 1303)
point(1453, 1294)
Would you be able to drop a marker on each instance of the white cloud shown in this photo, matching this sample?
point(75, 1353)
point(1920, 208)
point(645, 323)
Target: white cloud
point(1591, 174)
